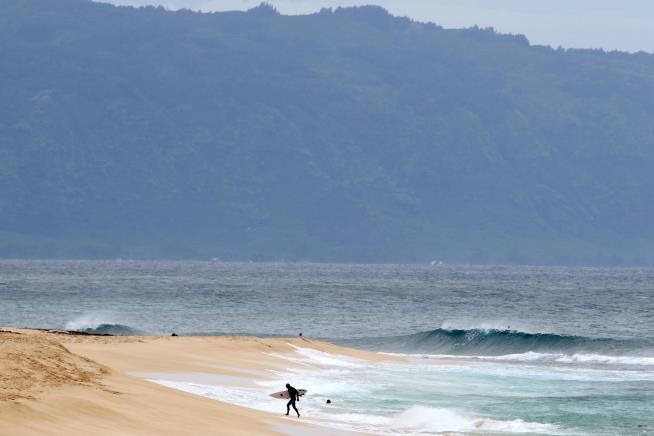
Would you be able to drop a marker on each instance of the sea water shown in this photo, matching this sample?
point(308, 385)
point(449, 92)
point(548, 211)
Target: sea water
point(491, 350)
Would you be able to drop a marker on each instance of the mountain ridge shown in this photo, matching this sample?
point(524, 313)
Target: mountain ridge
point(346, 135)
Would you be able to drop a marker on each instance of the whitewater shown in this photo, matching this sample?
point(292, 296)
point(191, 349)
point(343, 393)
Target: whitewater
point(434, 396)
point(490, 350)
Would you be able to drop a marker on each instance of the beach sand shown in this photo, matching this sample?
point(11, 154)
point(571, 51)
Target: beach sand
point(56, 383)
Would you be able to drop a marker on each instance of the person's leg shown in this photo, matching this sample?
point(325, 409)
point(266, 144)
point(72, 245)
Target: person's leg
point(288, 406)
point(296, 411)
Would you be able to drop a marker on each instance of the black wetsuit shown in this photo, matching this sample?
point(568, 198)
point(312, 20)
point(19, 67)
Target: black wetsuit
point(293, 395)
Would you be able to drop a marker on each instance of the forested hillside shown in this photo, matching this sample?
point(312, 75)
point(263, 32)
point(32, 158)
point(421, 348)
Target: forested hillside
point(347, 135)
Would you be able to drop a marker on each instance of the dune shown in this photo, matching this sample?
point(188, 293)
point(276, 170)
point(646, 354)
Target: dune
point(59, 383)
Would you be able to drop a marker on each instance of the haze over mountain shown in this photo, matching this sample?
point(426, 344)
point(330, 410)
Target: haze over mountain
point(346, 135)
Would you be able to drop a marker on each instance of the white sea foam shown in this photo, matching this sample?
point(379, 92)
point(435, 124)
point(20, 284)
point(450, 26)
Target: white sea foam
point(253, 398)
point(574, 358)
point(531, 356)
point(361, 392)
point(416, 419)
point(427, 419)
point(420, 418)
point(320, 358)
point(610, 360)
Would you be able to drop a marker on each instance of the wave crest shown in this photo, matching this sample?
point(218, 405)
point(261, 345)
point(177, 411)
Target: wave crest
point(101, 324)
point(495, 342)
point(112, 329)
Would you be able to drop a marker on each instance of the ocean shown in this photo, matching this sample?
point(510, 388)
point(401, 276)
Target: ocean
point(491, 350)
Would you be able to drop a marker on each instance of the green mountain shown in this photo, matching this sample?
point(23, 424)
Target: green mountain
point(346, 135)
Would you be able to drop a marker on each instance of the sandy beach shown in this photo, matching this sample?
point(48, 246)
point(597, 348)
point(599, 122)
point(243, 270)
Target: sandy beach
point(58, 383)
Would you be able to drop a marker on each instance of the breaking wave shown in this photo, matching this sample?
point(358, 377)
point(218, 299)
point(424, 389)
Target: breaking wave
point(112, 329)
point(515, 345)
point(101, 324)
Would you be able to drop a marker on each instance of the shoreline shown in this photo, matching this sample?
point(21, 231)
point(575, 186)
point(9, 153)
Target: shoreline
point(56, 382)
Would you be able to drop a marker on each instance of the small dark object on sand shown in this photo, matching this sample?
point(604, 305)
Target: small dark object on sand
point(174, 334)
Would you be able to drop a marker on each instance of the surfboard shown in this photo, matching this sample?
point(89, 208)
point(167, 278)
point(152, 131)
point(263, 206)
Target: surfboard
point(283, 395)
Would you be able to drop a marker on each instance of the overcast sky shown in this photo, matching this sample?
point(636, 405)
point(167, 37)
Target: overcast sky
point(609, 24)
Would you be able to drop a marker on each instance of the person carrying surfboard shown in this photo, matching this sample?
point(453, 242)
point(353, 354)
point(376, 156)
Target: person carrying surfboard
point(294, 395)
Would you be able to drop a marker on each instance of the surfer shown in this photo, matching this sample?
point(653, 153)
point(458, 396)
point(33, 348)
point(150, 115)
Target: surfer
point(294, 395)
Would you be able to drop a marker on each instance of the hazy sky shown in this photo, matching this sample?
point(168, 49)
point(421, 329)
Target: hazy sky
point(609, 24)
